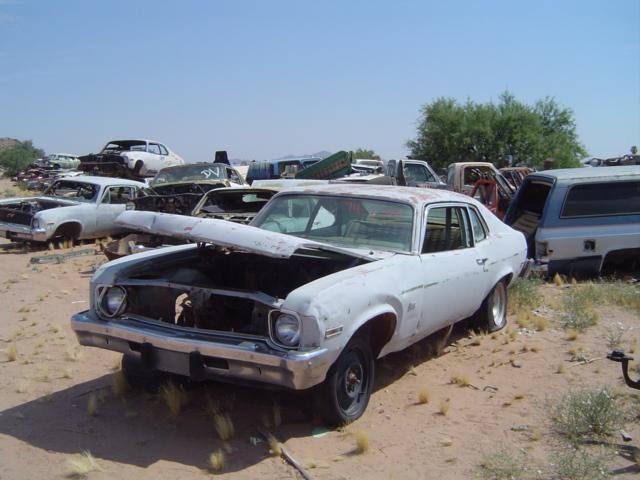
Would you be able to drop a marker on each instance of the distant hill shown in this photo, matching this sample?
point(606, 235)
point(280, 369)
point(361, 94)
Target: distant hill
point(8, 143)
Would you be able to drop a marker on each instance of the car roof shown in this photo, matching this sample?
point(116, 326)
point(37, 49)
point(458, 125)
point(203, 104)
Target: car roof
point(105, 181)
point(588, 173)
point(134, 140)
point(411, 195)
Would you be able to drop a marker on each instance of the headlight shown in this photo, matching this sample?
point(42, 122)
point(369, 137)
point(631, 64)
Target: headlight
point(287, 329)
point(35, 223)
point(113, 301)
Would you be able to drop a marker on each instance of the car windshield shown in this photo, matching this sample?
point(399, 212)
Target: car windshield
point(341, 221)
point(186, 173)
point(125, 146)
point(82, 191)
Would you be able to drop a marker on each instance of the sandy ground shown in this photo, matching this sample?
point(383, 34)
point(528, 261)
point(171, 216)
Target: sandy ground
point(44, 394)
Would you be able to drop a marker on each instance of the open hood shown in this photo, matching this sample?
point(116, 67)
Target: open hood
point(227, 234)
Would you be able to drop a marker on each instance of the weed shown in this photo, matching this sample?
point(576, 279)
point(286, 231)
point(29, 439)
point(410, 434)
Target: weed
point(23, 387)
point(573, 463)
point(536, 435)
point(462, 380)
point(561, 368)
point(614, 336)
point(92, 405)
point(444, 408)
point(174, 397)
point(535, 349)
point(579, 307)
point(68, 373)
point(119, 384)
point(224, 426)
point(572, 335)
point(501, 465)
point(424, 396)
point(83, 465)
point(362, 442)
point(12, 352)
point(540, 323)
point(587, 413)
point(518, 396)
point(72, 354)
point(476, 338)
point(446, 443)
point(524, 293)
point(216, 461)
point(275, 447)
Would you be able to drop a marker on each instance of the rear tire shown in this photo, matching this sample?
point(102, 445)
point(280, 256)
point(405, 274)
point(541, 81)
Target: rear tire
point(345, 393)
point(492, 315)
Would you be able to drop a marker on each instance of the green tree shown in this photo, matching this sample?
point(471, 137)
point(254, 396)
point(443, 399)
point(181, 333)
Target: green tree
point(509, 130)
point(18, 157)
point(363, 153)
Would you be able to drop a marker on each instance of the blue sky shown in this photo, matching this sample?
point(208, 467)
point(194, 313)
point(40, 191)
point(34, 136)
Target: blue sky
point(264, 79)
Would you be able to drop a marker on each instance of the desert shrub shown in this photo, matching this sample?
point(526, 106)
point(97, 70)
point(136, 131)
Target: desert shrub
point(502, 465)
point(573, 463)
point(586, 413)
point(525, 293)
point(579, 308)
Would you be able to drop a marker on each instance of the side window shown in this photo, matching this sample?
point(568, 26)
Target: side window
point(154, 148)
point(234, 176)
point(118, 195)
point(607, 198)
point(447, 229)
point(478, 228)
point(163, 150)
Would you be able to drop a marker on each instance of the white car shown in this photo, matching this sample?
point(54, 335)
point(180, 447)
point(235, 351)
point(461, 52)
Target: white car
point(131, 159)
point(70, 208)
point(323, 281)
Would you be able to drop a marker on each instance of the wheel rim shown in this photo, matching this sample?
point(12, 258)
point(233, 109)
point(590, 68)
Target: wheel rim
point(352, 384)
point(499, 304)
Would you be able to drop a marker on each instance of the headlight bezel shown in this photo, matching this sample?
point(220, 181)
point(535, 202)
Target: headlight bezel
point(103, 297)
point(282, 315)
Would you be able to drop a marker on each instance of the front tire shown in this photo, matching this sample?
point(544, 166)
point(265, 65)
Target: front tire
point(492, 315)
point(345, 393)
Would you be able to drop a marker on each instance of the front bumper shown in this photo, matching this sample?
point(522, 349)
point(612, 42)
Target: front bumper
point(201, 355)
point(15, 231)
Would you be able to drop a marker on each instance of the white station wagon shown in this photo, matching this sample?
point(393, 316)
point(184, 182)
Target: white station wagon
point(323, 281)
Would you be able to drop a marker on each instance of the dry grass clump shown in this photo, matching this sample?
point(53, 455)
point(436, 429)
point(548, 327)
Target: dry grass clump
point(224, 426)
point(11, 353)
point(119, 384)
point(557, 279)
point(561, 368)
point(459, 379)
point(216, 461)
point(444, 408)
point(72, 354)
point(174, 397)
point(362, 442)
point(23, 387)
point(82, 465)
point(615, 335)
point(275, 447)
point(572, 335)
point(476, 338)
point(92, 405)
point(540, 323)
point(424, 396)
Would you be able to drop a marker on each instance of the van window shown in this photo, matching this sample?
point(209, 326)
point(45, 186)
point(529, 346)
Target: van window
point(610, 198)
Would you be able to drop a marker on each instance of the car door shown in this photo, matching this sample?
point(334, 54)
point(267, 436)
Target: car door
point(155, 160)
point(112, 203)
point(453, 273)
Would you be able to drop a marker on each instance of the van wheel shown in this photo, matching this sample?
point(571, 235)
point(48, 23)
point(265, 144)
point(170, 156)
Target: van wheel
point(492, 315)
point(345, 393)
point(140, 378)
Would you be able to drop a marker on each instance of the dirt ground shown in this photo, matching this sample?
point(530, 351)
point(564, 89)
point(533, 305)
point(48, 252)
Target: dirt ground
point(513, 378)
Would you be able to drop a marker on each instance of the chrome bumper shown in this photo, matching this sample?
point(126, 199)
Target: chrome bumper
point(15, 231)
point(200, 355)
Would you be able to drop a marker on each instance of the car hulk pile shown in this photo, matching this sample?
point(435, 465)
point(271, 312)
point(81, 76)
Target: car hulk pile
point(320, 284)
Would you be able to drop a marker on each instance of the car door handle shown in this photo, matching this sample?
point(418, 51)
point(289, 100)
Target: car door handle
point(481, 261)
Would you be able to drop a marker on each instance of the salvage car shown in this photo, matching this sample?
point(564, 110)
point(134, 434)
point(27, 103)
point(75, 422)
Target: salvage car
point(234, 204)
point(130, 159)
point(70, 209)
point(178, 189)
point(323, 281)
point(580, 221)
